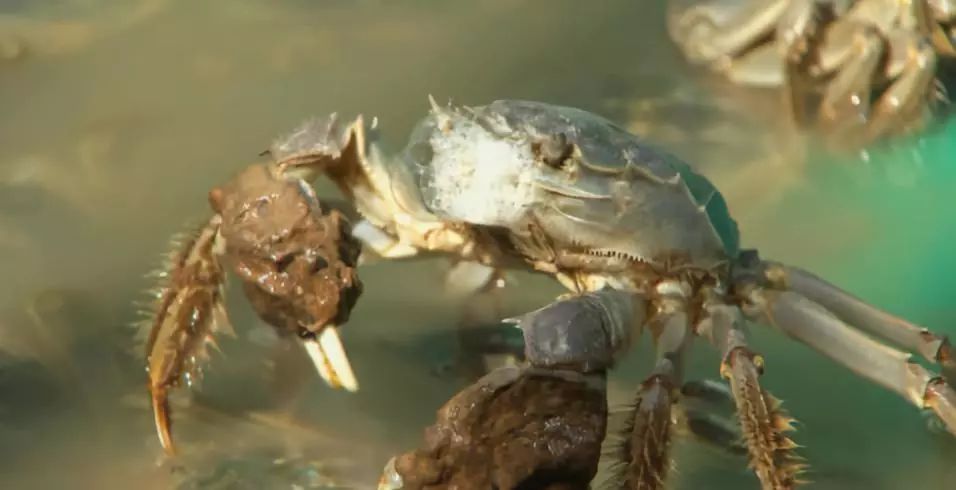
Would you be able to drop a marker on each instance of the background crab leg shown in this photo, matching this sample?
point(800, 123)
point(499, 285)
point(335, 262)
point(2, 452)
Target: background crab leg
point(762, 420)
point(800, 33)
point(854, 311)
point(847, 106)
point(726, 36)
point(188, 310)
point(706, 408)
point(940, 17)
point(903, 104)
point(812, 324)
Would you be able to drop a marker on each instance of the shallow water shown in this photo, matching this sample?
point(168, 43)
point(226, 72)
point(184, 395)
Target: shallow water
point(117, 117)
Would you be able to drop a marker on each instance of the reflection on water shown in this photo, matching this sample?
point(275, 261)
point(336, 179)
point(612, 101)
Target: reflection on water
point(118, 116)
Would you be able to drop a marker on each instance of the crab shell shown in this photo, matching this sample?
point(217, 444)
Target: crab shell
point(588, 185)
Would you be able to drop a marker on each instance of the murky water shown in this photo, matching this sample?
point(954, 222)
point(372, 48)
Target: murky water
point(117, 116)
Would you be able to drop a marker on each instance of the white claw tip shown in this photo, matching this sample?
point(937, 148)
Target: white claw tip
point(330, 359)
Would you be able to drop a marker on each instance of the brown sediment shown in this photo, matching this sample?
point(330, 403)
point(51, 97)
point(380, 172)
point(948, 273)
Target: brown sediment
point(297, 263)
point(537, 431)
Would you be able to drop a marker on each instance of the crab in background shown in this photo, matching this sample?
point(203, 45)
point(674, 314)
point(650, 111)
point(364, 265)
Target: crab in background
point(644, 244)
point(857, 70)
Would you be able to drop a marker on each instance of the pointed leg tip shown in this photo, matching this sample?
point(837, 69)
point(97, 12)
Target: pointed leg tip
point(162, 420)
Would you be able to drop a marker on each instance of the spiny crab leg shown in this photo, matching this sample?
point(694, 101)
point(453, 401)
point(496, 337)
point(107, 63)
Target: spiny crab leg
point(762, 420)
point(645, 454)
point(813, 325)
point(188, 310)
point(330, 360)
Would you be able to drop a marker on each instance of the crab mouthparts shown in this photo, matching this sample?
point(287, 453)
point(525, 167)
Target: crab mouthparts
point(328, 355)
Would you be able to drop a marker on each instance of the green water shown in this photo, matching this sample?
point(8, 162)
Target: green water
point(116, 117)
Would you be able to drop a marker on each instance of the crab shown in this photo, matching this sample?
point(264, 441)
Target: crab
point(643, 243)
point(861, 70)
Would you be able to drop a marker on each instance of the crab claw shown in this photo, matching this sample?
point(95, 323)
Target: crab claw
point(330, 360)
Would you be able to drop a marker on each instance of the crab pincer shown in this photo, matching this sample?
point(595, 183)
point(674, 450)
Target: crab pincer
point(295, 260)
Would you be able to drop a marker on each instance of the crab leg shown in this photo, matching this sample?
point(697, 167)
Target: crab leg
point(187, 312)
point(644, 453)
point(903, 104)
point(800, 35)
point(847, 106)
point(854, 311)
point(812, 324)
point(732, 35)
point(701, 407)
point(934, 20)
point(762, 420)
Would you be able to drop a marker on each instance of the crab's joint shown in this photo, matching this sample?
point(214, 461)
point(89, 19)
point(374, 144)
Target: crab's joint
point(322, 145)
point(582, 333)
point(331, 362)
point(732, 357)
point(944, 355)
point(941, 399)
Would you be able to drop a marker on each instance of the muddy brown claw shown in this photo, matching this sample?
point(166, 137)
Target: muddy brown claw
point(296, 261)
point(515, 428)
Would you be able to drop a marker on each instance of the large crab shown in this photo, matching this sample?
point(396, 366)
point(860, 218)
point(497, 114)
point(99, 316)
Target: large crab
point(643, 243)
point(859, 69)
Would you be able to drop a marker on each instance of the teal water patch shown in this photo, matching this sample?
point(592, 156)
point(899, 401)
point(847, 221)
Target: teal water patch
point(883, 228)
point(906, 193)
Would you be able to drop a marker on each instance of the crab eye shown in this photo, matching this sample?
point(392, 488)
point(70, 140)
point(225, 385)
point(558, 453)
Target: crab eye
point(283, 262)
point(554, 151)
point(319, 264)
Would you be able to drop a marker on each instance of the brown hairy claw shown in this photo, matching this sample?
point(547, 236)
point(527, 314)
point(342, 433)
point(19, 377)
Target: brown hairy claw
point(763, 423)
point(188, 309)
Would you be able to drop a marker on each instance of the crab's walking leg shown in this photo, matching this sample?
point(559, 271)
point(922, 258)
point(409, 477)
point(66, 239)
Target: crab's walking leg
point(762, 420)
point(705, 413)
point(643, 457)
point(188, 310)
point(813, 325)
point(800, 33)
point(854, 311)
point(731, 37)
point(903, 105)
point(815, 40)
